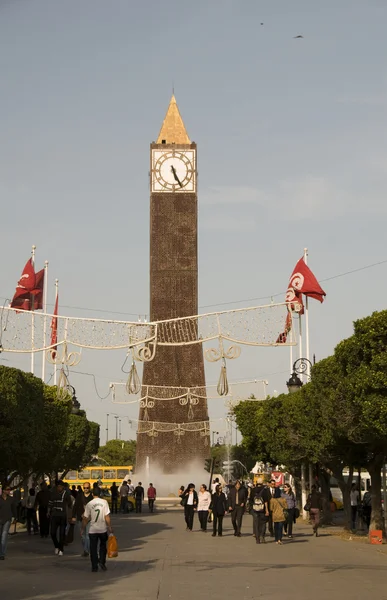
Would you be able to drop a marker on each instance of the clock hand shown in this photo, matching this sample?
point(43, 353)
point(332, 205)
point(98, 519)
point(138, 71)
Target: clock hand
point(175, 176)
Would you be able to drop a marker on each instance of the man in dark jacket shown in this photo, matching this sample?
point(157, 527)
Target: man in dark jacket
point(81, 500)
point(42, 500)
point(274, 493)
point(259, 502)
point(139, 497)
point(237, 502)
point(60, 502)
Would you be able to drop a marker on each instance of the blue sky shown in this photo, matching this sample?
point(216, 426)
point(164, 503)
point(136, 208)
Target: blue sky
point(291, 138)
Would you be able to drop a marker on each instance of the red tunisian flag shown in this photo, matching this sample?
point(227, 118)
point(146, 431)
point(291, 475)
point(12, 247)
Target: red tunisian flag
point(302, 281)
point(37, 292)
point(24, 288)
point(54, 329)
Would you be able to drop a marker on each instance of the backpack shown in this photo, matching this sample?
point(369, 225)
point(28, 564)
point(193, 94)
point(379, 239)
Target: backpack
point(258, 503)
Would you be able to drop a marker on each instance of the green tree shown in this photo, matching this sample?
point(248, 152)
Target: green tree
point(118, 452)
point(21, 407)
point(92, 444)
point(55, 420)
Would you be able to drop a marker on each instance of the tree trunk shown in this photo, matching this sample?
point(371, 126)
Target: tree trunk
point(374, 468)
point(345, 488)
point(324, 480)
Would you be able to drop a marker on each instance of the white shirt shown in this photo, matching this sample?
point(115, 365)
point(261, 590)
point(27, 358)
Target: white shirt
point(97, 509)
point(190, 500)
point(204, 500)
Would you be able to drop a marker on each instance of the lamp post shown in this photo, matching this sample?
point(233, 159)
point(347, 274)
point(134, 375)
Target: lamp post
point(300, 367)
point(116, 418)
point(107, 427)
point(214, 433)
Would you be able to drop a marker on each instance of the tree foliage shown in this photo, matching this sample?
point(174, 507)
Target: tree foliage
point(38, 433)
point(337, 420)
point(118, 452)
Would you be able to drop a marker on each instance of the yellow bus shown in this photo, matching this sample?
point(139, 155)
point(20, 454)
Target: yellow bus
point(105, 476)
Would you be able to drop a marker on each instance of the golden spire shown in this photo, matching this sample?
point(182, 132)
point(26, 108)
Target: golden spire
point(173, 130)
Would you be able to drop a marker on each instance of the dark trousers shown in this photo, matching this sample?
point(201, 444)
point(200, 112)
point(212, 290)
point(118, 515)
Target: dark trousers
point(151, 502)
point(44, 522)
point(203, 519)
point(278, 527)
point(58, 523)
point(270, 523)
point(353, 516)
point(138, 505)
point(218, 523)
point(288, 525)
point(102, 538)
point(189, 515)
point(124, 504)
point(236, 518)
point(259, 525)
point(367, 515)
point(114, 505)
point(32, 521)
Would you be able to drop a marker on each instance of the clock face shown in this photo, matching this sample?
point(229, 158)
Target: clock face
point(173, 171)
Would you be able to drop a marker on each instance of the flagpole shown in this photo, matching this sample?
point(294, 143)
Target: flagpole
point(44, 318)
point(56, 296)
point(32, 316)
point(307, 351)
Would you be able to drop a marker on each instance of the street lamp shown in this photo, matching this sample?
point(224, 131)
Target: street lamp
point(214, 433)
point(300, 367)
point(76, 405)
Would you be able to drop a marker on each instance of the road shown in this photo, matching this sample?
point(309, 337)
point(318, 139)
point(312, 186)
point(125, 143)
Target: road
point(159, 560)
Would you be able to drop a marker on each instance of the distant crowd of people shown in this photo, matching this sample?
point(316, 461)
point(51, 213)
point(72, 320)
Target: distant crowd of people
point(269, 506)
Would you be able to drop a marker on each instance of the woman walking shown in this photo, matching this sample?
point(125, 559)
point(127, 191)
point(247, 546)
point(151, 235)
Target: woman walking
point(218, 507)
point(290, 498)
point(190, 503)
point(315, 503)
point(204, 501)
point(277, 507)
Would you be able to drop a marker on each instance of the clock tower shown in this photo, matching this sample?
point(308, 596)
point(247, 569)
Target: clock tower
point(173, 294)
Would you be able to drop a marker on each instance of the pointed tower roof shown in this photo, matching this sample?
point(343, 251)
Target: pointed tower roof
point(173, 130)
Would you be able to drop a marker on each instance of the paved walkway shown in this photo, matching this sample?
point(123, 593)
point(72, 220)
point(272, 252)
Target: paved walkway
point(160, 560)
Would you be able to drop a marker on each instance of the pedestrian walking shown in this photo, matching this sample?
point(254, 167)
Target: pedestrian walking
point(83, 498)
point(139, 495)
point(97, 516)
point(237, 502)
point(355, 501)
point(59, 504)
point(124, 493)
point(32, 521)
point(190, 502)
point(74, 491)
point(218, 507)
point(274, 493)
point(7, 514)
point(259, 502)
point(42, 500)
point(277, 509)
point(151, 493)
point(315, 506)
point(114, 493)
point(204, 501)
point(290, 498)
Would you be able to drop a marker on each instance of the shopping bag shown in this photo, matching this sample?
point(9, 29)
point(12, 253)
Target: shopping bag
point(112, 546)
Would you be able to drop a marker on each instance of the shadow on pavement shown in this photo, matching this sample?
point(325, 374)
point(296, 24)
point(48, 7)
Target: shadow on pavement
point(32, 571)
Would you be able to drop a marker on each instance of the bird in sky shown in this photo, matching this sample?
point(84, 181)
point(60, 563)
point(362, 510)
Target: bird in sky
point(296, 37)
point(261, 23)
